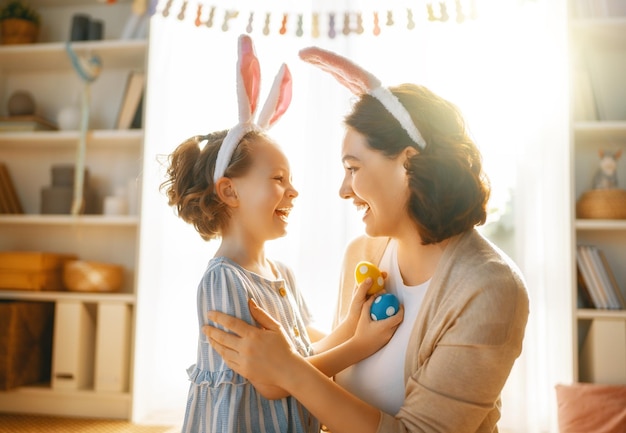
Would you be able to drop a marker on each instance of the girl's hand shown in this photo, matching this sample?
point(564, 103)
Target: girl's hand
point(260, 354)
point(370, 335)
point(359, 297)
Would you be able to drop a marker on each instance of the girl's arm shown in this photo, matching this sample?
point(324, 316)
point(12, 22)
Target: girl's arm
point(265, 357)
point(368, 337)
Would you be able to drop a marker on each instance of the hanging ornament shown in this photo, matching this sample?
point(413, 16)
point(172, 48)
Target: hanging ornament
point(283, 25)
point(315, 25)
point(473, 10)
point(249, 25)
point(409, 16)
point(389, 18)
point(209, 21)
point(228, 15)
point(376, 30)
point(152, 7)
point(181, 14)
point(266, 27)
point(331, 26)
point(346, 23)
point(443, 8)
point(197, 21)
point(166, 9)
point(88, 67)
point(299, 31)
point(460, 16)
point(431, 13)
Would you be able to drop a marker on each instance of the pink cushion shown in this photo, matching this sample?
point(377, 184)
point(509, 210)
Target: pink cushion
point(591, 408)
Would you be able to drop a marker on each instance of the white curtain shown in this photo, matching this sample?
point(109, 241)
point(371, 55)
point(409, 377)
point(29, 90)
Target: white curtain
point(501, 67)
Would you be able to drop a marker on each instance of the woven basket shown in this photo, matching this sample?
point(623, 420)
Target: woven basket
point(16, 31)
point(602, 204)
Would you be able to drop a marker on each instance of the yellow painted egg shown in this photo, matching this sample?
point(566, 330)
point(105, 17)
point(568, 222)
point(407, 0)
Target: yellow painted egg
point(366, 269)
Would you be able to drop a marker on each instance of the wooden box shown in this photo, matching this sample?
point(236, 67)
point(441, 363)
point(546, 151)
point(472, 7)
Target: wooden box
point(25, 342)
point(25, 270)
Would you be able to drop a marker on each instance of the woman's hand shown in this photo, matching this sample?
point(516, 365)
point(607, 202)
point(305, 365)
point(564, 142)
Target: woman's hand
point(260, 354)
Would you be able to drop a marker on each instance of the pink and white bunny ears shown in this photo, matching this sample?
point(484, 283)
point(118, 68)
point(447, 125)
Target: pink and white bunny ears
point(248, 88)
point(360, 81)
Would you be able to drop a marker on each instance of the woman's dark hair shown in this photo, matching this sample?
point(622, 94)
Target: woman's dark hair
point(449, 190)
point(189, 182)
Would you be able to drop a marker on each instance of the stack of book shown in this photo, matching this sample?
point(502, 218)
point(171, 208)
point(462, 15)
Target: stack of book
point(596, 280)
point(9, 201)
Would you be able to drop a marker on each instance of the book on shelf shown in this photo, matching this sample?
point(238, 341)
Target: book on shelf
point(598, 279)
point(590, 282)
point(584, 295)
point(610, 280)
point(131, 100)
point(9, 201)
point(25, 123)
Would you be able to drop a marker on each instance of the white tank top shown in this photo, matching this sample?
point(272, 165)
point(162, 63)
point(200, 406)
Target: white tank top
point(379, 379)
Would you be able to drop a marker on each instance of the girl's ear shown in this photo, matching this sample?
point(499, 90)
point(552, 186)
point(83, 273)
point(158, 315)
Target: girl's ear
point(227, 192)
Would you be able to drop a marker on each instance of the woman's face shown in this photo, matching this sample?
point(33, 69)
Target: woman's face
point(377, 185)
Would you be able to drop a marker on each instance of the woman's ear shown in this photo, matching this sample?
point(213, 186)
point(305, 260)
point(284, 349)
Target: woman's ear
point(227, 192)
point(409, 152)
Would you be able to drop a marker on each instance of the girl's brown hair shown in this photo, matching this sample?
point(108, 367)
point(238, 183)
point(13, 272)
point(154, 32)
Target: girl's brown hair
point(449, 190)
point(189, 181)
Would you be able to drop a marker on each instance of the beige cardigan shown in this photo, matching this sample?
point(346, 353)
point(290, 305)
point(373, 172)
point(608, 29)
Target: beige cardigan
point(465, 339)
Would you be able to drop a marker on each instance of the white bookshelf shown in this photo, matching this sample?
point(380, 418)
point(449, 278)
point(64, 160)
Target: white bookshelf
point(598, 43)
point(103, 357)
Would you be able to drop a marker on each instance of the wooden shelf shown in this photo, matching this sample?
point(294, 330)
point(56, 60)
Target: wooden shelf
point(588, 313)
point(108, 138)
point(610, 31)
point(28, 295)
point(599, 224)
point(69, 220)
point(44, 400)
point(589, 133)
point(44, 57)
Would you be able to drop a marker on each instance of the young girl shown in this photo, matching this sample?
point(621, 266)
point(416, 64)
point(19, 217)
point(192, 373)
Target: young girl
point(238, 188)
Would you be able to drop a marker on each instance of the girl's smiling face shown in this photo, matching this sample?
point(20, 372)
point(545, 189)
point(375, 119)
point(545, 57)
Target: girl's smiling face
point(265, 193)
point(377, 185)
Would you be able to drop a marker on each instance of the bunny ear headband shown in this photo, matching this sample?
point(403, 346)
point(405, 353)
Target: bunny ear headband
point(248, 87)
point(360, 81)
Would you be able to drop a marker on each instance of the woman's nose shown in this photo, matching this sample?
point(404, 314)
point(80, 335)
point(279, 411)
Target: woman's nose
point(345, 190)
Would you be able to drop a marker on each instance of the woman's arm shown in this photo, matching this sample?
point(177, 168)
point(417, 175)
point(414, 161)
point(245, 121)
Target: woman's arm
point(265, 357)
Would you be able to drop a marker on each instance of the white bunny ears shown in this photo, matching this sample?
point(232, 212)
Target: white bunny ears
point(248, 87)
point(360, 81)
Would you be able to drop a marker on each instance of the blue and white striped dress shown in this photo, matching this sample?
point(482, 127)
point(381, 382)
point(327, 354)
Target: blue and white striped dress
point(222, 401)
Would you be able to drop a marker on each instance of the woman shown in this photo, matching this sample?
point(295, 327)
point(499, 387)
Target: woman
point(411, 166)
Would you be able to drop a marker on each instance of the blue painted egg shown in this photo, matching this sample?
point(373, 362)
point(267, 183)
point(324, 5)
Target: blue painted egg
point(384, 306)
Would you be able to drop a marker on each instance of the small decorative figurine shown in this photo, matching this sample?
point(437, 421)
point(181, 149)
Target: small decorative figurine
point(606, 176)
